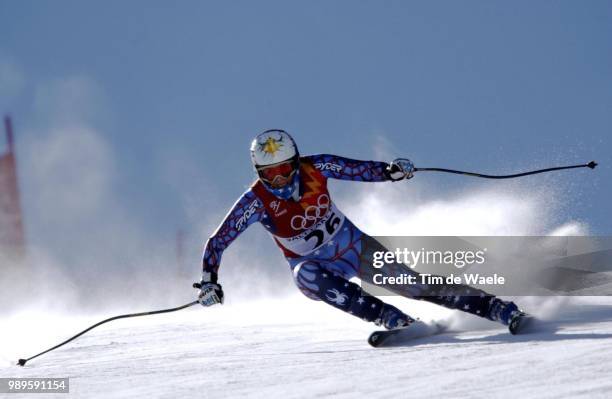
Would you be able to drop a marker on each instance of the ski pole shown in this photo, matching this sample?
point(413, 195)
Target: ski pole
point(591, 165)
point(22, 362)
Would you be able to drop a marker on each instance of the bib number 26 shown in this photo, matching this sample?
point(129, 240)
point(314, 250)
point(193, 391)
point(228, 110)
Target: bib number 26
point(324, 230)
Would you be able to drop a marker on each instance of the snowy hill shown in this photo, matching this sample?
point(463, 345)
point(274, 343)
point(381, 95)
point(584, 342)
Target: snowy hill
point(296, 348)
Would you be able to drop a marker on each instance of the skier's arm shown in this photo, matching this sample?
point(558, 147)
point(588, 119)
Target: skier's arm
point(246, 211)
point(337, 167)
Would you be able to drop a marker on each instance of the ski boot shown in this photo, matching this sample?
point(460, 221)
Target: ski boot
point(510, 315)
point(392, 318)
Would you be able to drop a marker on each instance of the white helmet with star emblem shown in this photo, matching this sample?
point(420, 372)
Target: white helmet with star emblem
point(271, 147)
point(276, 160)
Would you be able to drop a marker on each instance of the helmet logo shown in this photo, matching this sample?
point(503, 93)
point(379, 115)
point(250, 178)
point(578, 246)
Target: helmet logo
point(271, 145)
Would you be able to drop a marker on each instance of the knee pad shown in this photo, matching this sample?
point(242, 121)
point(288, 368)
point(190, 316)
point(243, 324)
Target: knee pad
point(304, 276)
point(318, 283)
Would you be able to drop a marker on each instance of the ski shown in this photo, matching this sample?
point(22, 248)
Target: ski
point(415, 330)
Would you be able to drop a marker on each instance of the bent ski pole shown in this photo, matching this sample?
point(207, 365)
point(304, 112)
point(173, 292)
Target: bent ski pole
point(22, 362)
point(591, 165)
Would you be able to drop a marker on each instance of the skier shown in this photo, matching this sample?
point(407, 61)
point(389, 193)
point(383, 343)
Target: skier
point(322, 246)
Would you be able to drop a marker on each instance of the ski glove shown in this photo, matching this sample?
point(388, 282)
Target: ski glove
point(399, 169)
point(211, 293)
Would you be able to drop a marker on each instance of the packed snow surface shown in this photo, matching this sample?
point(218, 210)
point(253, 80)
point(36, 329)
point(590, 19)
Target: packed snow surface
point(297, 348)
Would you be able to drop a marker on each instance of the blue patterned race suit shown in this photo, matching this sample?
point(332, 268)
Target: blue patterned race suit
point(325, 249)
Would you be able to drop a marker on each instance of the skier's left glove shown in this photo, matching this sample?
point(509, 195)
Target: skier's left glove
point(211, 293)
point(400, 169)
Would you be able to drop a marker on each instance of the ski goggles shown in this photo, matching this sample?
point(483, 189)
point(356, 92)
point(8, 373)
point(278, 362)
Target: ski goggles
point(278, 175)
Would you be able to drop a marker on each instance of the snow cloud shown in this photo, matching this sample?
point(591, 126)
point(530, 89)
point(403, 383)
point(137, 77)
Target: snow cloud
point(84, 245)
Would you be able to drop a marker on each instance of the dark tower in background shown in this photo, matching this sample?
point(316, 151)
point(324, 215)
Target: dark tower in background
point(12, 238)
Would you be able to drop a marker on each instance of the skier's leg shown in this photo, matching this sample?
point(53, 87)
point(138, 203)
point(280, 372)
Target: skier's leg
point(318, 283)
point(455, 296)
point(471, 300)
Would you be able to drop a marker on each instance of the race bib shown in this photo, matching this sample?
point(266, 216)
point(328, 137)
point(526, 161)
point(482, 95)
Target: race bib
point(318, 226)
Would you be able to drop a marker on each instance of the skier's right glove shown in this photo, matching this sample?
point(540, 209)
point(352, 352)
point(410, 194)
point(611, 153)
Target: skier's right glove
point(211, 293)
point(399, 169)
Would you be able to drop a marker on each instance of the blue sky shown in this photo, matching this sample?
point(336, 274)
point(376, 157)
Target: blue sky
point(175, 91)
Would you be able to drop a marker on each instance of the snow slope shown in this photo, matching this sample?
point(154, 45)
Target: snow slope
point(296, 348)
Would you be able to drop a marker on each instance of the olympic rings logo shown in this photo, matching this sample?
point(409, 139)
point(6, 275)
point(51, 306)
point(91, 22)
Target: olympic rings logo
point(311, 214)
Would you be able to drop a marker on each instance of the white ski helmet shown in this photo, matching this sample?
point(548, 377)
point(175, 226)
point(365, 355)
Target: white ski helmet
point(276, 159)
